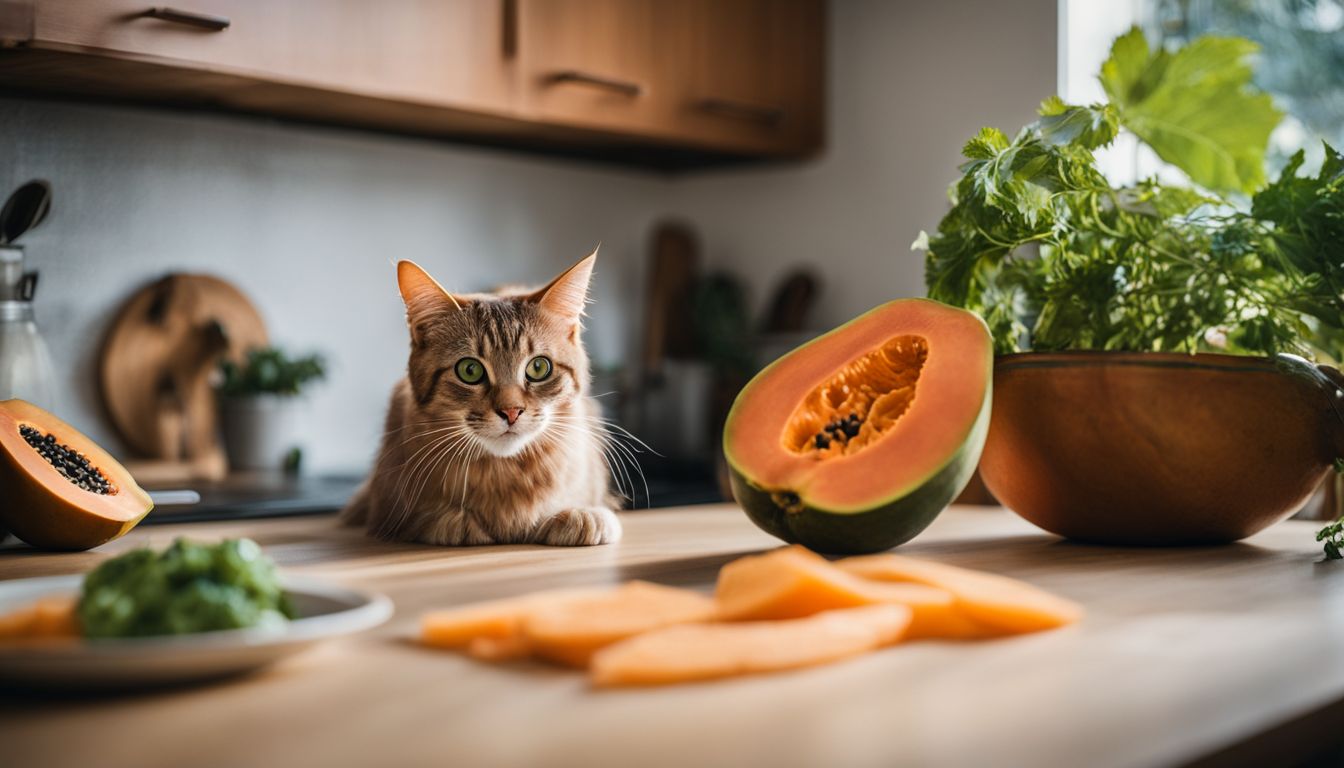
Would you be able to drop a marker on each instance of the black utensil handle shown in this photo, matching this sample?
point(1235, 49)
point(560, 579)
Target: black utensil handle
point(190, 18)
point(27, 286)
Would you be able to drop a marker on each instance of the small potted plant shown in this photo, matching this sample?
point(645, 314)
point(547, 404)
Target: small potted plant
point(259, 407)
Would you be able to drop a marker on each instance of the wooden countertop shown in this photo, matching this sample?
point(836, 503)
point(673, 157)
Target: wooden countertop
point(1228, 654)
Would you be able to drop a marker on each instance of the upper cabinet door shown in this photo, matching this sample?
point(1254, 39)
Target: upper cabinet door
point(588, 63)
point(428, 51)
point(745, 73)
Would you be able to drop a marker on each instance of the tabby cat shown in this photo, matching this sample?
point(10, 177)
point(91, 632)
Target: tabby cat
point(492, 437)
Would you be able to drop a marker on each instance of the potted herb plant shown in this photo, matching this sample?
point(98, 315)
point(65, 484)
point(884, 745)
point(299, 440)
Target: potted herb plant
point(259, 407)
point(1153, 383)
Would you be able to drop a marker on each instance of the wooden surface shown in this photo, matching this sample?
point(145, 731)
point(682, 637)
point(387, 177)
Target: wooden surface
point(1184, 653)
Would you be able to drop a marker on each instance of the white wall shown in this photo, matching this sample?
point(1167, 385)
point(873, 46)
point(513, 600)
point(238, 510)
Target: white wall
point(909, 83)
point(306, 219)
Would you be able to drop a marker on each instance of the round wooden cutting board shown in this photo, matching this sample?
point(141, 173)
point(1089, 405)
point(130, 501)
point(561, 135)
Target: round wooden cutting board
point(159, 359)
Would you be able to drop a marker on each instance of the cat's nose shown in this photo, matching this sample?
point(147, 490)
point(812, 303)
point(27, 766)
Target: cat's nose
point(509, 414)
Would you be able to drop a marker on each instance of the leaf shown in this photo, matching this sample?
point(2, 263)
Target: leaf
point(1195, 107)
point(1090, 127)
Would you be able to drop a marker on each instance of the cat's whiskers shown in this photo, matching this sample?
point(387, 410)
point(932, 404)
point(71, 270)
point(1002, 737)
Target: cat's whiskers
point(612, 440)
point(413, 478)
point(445, 454)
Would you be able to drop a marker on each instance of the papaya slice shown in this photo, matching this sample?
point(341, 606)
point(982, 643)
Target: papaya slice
point(570, 632)
point(792, 582)
point(61, 491)
point(46, 618)
point(486, 648)
point(854, 442)
point(1002, 605)
point(494, 620)
point(706, 651)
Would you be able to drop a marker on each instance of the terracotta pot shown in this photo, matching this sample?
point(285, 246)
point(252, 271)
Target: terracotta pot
point(1160, 449)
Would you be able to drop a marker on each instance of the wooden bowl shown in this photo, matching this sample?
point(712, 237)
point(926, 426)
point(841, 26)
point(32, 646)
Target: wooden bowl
point(1160, 449)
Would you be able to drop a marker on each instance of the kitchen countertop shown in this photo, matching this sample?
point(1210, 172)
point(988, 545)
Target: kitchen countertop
point(1229, 655)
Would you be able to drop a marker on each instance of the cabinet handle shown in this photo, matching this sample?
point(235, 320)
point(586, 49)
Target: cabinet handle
point(508, 23)
point(190, 18)
point(624, 87)
point(741, 110)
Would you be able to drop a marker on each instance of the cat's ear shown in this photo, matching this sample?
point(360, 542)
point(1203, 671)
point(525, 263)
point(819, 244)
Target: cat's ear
point(421, 292)
point(425, 299)
point(568, 293)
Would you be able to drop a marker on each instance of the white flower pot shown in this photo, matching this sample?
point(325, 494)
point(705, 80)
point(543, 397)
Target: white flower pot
point(260, 430)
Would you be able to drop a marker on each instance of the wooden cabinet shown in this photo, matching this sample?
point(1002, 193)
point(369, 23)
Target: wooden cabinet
point(666, 82)
point(357, 46)
point(745, 73)
point(588, 63)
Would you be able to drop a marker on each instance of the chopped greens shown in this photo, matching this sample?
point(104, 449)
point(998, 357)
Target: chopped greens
point(189, 587)
point(1054, 257)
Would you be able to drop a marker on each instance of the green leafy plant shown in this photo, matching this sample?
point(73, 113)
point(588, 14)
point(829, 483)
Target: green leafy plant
point(1333, 536)
point(1054, 257)
point(267, 370)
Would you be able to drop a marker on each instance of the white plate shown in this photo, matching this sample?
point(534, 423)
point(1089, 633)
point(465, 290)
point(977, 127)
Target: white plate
point(324, 611)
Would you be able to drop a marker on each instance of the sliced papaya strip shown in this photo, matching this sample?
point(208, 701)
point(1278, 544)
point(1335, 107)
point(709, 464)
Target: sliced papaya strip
point(498, 619)
point(1001, 604)
point(792, 582)
point(507, 648)
point(571, 631)
point(706, 651)
point(47, 618)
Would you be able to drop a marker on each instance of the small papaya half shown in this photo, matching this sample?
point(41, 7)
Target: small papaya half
point(58, 489)
point(854, 442)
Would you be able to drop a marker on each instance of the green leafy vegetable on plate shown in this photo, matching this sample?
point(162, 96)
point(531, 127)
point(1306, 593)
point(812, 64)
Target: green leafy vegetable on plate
point(188, 587)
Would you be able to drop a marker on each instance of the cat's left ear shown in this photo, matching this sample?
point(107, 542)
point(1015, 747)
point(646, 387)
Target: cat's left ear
point(567, 293)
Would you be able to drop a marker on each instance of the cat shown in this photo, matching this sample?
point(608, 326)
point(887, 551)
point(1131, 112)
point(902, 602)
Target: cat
point(492, 438)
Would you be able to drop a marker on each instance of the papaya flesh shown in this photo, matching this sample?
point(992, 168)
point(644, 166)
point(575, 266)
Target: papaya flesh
point(999, 604)
point(854, 442)
point(706, 651)
point(498, 621)
point(48, 618)
point(61, 491)
point(793, 582)
point(571, 632)
point(563, 626)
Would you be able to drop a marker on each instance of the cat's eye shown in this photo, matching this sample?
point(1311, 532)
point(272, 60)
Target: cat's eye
point(538, 368)
point(470, 370)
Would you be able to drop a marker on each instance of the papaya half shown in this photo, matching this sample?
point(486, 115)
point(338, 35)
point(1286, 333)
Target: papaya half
point(58, 489)
point(854, 442)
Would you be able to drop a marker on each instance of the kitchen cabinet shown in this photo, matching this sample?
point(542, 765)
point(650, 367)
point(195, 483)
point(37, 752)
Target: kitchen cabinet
point(352, 46)
point(745, 73)
point(663, 82)
point(589, 63)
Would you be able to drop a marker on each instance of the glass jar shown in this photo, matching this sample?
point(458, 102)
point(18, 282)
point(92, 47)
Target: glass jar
point(26, 370)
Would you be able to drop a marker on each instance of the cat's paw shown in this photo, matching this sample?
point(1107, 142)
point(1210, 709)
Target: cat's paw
point(579, 527)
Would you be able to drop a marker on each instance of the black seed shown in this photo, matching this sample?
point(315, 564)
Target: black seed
point(71, 464)
point(852, 429)
point(822, 442)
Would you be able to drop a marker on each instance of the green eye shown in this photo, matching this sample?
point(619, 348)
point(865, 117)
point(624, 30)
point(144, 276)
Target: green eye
point(538, 369)
point(470, 370)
